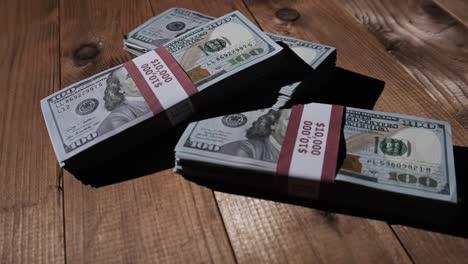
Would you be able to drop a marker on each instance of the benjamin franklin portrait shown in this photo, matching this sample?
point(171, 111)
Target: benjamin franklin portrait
point(264, 138)
point(123, 99)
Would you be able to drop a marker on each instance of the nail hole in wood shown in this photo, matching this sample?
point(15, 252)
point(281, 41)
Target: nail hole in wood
point(287, 14)
point(85, 53)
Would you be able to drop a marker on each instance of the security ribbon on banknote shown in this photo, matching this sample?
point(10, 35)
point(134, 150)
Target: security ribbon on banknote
point(301, 144)
point(398, 153)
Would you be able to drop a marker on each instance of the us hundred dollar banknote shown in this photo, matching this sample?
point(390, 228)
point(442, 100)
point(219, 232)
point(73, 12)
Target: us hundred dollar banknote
point(399, 153)
point(300, 145)
point(163, 28)
point(220, 48)
point(244, 140)
point(301, 142)
point(92, 110)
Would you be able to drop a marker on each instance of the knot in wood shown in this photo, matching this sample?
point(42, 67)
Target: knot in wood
point(86, 52)
point(287, 14)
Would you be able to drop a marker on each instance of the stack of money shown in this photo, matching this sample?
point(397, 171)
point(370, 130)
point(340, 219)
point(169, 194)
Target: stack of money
point(205, 72)
point(321, 58)
point(298, 146)
point(396, 163)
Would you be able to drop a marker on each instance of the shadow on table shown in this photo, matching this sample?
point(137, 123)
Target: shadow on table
point(345, 88)
point(433, 216)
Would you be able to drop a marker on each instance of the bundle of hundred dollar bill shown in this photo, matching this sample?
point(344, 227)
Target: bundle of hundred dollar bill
point(220, 66)
point(398, 165)
point(301, 146)
point(162, 28)
point(388, 156)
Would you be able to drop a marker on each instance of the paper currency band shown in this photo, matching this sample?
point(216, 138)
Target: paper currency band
point(332, 115)
point(161, 91)
point(286, 153)
point(333, 144)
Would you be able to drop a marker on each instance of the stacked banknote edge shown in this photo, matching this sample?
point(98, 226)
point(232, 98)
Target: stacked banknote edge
point(110, 113)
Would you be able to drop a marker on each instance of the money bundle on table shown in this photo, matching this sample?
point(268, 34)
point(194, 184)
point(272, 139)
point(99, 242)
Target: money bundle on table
point(388, 155)
point(398, 165)
point(203, 70)
point(301, 146)
point(162, 28)
point(399, 153)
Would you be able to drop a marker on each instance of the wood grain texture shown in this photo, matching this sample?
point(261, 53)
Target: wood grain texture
point(31, 219)
point(457, 8)
point(157, 218)
point(359, 51)
point(165, 218)
point(431, 45)
point(208, 7)
point(328, 23)
point(427, 41)
point(272, 232)
point(432, 247)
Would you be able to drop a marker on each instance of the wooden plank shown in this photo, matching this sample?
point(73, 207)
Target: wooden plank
point(358, 51)
point(327, 22)
point(270, 232)
point(427, 41)
point(273, 232)
point(432, 247)
point(31, 219)
point(157, 218)
point(457, 8)
point(429, 44)
point(216, 9)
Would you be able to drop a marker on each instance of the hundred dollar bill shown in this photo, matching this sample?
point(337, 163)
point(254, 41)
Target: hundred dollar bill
point(163, 28)
point(99, 107)
point(301, 143)
point(312, 53)
point(221, 48)
point(399, 153)
point(92, 110)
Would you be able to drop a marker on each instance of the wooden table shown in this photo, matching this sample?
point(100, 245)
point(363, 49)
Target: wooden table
point(419, 48)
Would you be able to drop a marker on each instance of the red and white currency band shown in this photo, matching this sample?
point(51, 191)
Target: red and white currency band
point(160, 79)
point(311, 144)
